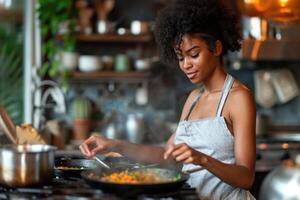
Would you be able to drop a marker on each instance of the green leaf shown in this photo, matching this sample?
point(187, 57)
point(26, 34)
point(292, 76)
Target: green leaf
point(44, 30)
point(54, 68)
point(52, 13)
point(11, 74)
point(44, 69)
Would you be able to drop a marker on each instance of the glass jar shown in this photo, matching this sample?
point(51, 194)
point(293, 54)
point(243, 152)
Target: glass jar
point(121, 63)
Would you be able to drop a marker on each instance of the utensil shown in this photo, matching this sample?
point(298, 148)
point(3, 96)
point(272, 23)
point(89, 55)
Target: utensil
point(285, 85)
point(190, 171)
point(102, 163)
point(7, 125)
point(264, 92)
point(26, 165)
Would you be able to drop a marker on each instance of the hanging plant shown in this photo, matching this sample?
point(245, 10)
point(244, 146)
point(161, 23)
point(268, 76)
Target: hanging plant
point(57, 23)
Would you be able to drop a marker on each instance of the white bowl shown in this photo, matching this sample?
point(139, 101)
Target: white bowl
point(69, 60)
point(142, 64)
point(89, 63)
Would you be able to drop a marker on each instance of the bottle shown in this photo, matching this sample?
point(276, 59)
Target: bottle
point(135, 128)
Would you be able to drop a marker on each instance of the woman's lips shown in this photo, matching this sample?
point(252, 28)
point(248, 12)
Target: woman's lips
point(191, 75)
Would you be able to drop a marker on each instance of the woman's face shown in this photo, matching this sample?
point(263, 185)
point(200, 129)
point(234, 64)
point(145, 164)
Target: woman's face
point(195, 59)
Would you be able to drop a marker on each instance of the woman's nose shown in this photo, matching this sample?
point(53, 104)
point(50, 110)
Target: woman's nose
point(187, 63)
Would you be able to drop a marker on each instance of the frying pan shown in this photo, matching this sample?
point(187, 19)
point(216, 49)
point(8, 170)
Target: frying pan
point(177, 180)
point(70, 167)
point(73, 166)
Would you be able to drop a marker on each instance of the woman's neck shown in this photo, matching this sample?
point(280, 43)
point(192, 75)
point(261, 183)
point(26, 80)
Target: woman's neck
point(216, 81)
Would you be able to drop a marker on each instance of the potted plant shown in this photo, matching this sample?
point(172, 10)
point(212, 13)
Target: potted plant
point(81, 109)
point(57, 23)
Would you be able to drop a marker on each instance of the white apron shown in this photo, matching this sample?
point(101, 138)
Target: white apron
point(211, 137)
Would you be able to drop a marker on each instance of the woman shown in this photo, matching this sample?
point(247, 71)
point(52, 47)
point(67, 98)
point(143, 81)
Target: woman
point(216, 132)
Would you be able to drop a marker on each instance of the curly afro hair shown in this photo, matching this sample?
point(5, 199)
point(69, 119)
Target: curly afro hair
point(208, 17)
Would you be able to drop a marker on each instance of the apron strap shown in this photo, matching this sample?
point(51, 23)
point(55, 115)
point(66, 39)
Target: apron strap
point(194, 103)
point(225, 91)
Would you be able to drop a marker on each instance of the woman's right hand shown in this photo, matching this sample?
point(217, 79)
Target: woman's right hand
point(96, 144)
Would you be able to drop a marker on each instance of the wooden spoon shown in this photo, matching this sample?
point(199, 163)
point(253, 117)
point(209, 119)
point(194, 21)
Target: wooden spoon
point(7, 125)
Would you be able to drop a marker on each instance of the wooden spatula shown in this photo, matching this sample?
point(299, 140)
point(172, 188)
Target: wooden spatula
point(26, 134)
point(23, 134)
point(7, 125)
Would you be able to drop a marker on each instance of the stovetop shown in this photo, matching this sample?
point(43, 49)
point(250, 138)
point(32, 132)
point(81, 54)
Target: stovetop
point(78, 189)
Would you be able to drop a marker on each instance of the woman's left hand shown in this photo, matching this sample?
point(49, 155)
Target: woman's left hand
point(185, 154)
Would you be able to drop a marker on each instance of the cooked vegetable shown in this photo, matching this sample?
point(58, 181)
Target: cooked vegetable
point(137, 177)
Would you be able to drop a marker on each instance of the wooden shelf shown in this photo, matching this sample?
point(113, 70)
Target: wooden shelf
point(114, 38)
point(110, 76)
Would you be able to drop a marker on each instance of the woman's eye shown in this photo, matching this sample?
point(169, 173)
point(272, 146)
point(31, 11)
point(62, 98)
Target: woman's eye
point(180, 58)
point(194, 55)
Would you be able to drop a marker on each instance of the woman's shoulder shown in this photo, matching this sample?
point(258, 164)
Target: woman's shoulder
point(240, 94)
point(194, 94)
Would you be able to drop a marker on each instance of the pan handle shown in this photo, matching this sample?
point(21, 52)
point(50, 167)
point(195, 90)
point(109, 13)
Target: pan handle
point(101, 162)
point(190, 171)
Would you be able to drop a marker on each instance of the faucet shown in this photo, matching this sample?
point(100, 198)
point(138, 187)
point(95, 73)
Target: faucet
point(41, 101)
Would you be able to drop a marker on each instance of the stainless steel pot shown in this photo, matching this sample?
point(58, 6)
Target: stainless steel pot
point(283, 182)
point(26, 165)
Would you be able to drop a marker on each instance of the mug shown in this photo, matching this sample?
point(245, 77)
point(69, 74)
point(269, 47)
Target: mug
point(121, 63)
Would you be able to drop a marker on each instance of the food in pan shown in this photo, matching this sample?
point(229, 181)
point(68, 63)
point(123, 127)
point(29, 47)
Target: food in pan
point(137, 177)
point(69, 168)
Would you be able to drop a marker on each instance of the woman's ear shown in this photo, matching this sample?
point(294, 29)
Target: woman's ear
point(218, 48)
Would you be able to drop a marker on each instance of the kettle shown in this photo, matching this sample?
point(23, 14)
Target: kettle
point(283, 182)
